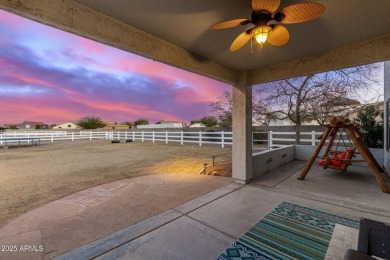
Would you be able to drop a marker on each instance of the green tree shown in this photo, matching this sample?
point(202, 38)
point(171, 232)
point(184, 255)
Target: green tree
point(141, 121)
point(90, 122)
point(13, 127)
point(208, 121)
point(370, 123)
point(37, 127)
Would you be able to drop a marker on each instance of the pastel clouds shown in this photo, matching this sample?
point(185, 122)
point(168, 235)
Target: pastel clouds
point(53, 76)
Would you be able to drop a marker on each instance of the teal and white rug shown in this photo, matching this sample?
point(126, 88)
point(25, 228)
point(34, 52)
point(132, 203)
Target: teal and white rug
point(288, 232)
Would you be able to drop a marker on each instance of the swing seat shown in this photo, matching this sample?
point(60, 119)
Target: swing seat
point(334, 163)
point(338, 164)
point(331, 162)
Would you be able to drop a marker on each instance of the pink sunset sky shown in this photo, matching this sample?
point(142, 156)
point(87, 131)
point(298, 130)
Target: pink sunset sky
point(52, 76)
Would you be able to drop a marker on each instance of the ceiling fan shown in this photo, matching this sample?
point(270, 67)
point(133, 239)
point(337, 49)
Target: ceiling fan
point(267, 23)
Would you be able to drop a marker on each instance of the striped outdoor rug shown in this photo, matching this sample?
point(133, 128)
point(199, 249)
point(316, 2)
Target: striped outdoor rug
point(288, 232)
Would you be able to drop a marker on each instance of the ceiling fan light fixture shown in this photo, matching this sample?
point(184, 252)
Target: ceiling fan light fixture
point(268, 22)
point(261, 34)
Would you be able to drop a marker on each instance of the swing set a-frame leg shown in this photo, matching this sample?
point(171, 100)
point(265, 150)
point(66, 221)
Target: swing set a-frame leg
point(369, 158)
point(315, 154)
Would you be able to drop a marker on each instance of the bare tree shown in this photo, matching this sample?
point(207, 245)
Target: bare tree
point(261, 113)
point(223, 107)
point(310, 97)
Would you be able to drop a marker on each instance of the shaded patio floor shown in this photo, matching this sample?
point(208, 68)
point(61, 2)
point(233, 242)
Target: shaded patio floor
point(357, 186)
point(204, 227)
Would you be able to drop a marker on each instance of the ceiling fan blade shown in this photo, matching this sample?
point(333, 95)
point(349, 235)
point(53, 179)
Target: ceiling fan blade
point(279, 36)
point(241, 40)
point(230, 24)
point(268, 5)
point(303, 12)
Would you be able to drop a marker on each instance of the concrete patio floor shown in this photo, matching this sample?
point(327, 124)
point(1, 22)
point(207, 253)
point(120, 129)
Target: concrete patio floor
point(200, 228)
point(204, 227)
point(88, 215)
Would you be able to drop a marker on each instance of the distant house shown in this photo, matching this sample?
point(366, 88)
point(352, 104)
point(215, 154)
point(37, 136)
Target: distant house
point(352, 114)
point(67, 125)
point(29, 125)
point(10, 126)
point(280, 119)
point(116, 126)
point(197, 125)
point(163, 124)
point(110, 123)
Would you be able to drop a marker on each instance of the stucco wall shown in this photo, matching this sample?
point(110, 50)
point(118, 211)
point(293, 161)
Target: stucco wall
point(265, 161)
point(270, 159)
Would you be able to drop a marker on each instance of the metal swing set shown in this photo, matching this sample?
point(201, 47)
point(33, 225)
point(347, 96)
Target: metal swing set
point(352, 140)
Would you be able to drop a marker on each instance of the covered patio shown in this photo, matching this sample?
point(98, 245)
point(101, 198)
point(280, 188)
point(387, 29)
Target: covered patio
point(189, 216)
point(204, 227)
point(175, 32)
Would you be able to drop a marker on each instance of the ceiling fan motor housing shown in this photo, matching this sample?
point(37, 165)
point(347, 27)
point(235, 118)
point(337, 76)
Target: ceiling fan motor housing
point(279, 17)
point(260, 17)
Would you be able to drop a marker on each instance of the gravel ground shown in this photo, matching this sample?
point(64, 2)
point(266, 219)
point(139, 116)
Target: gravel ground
point(33, 176)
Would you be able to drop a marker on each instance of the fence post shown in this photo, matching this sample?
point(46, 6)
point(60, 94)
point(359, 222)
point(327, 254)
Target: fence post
point(270, 139)
point(200, 138)
point(52, 137)
point(125, 135)
point(72, 137)
point(133, 135)
point(28, 140)
point(153, 136)
point(313, 138)
point(181, 137)
point(166, 137)
point(223, 139)
point(142, 136)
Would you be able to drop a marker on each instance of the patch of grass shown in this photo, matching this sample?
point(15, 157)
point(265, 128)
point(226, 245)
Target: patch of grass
point(33, 176)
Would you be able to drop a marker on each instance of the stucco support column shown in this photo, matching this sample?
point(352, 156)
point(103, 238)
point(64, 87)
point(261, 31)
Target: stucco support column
point(242, 130)
point(386, 115)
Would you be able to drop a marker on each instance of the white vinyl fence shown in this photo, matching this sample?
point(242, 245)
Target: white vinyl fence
point(200, 138)
point(272, 139)
point(279, 139)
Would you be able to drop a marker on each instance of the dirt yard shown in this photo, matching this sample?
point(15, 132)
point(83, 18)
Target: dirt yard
point(33, 176)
